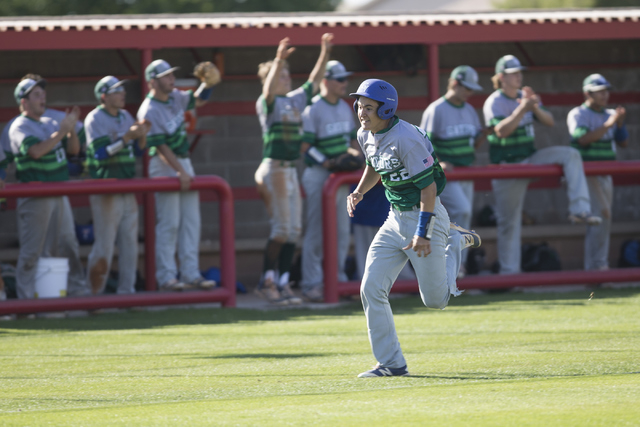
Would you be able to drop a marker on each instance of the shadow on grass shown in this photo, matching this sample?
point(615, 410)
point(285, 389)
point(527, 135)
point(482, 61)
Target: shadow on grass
point(210, 316)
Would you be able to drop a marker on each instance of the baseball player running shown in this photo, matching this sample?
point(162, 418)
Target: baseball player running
point(595, 132)
point(511, 110)
point(40, 146)
point(329, 144)
point(454, 129)
point(418, 227)
point(114, 140)
point(178, 212)
point(280, 110)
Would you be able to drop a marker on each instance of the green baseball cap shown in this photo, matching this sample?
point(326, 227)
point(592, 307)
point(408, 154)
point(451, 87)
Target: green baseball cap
point(107, 85)
point(335, 70)
point(24, 88)
point(158, 68)
point(508, 64)
point(594, 83)
point(466, 76)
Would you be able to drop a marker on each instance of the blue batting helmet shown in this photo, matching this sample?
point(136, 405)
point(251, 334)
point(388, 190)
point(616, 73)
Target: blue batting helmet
point(379, 91)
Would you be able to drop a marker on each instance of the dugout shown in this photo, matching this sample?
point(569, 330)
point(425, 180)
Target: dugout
point(415, 52)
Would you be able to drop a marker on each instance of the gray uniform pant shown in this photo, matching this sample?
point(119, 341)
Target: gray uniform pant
point(178, 215)
point(363, 235)
point(115, 222)
point(47, 219)
point(457, 198)
point(436, 276)
point(509, 195)
point(596, 241)
point(313, 179)
point(280, 177)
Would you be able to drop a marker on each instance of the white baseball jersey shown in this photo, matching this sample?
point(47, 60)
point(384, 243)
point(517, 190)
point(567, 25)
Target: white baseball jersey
point(403, 156)
point(582, 120)
point(452, 130)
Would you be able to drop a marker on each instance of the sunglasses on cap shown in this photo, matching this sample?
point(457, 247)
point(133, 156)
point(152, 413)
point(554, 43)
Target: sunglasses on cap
point(341, 79)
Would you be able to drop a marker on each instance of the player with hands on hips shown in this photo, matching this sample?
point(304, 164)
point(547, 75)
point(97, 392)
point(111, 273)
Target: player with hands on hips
point(114, 139)
point(329, 144)
point(511, 111)
point(279, 110)
point(596, 131)
point(454, 129)
point(178, 213)
point(417, 228)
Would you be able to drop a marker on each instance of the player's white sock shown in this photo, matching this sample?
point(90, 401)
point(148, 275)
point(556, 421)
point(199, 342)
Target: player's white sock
point(270, 275)
point(284, 279)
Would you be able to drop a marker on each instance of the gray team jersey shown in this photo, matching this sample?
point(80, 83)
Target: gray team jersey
point(5, 145)
point(102, 130)
point(26, 132)
point(582, 120)
point(329, 127)
point(452, 130)
point(517, 146)
point(167, 121)
point(403, 156)
point(281, 123)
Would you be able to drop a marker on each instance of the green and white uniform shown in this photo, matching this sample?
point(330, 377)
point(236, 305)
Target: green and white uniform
point(39, 217)
point(509, 193)
point(178, 212)
point(115, 216)
point(330, 128)
point(281, 124)
point(403, 156)
point(452, 130)
point(580, 121)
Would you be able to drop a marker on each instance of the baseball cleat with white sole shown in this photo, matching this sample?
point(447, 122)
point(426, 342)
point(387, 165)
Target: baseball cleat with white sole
point(380, 371)
point(471, 238)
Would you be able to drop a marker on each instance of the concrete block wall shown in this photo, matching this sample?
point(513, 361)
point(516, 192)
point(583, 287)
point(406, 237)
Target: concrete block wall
point(234, 151)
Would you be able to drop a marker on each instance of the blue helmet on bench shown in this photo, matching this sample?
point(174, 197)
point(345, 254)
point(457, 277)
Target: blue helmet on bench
point(381, 92)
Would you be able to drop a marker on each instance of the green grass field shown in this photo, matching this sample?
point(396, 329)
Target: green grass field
point(513, 359)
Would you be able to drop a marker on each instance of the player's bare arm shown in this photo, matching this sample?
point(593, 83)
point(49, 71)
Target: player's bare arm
point(38, 150)
point(421, 242)
point(508, 125)
point(73, 142)
point(269, 88)
point(167, 156)
point(318, 70)
point(369, 178)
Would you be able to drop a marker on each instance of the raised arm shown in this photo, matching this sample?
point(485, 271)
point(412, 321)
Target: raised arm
point(271, 81)
point(317, 74)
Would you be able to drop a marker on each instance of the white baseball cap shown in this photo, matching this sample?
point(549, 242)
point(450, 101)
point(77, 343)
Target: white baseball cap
point(106, 85)
point(508, 64)
point(24, 88)
point(594, 83)
point(466, 76)
point(158, 68)
point(335, 70)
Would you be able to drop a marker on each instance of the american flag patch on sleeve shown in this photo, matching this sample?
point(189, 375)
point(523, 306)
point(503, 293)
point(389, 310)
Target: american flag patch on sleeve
point(428, 162)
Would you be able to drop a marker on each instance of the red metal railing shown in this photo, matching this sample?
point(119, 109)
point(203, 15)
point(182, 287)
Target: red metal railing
point(226, 294)
point(630, 170)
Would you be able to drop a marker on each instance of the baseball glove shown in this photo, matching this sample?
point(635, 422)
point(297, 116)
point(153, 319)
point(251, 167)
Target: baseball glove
point(208, 73)
point(345, 163)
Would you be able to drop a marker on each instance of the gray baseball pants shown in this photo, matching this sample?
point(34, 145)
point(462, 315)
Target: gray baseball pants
point(457, 198)
point(436, 275)
point(313, 179)
point(115, 222)
point(47, 219)
point(509, 195)
point(596, 241)
point(178, 215)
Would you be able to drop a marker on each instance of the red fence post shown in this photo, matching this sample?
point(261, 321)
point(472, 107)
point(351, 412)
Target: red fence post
point(226, 294)
point(333, 289)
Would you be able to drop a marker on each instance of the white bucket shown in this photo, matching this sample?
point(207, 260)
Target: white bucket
point(51, 277)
